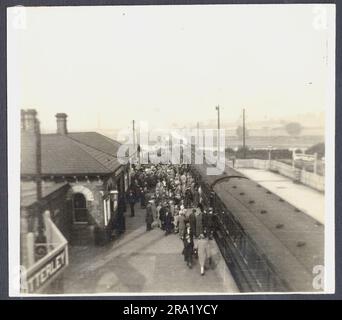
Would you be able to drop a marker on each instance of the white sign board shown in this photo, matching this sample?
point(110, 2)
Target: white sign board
point(303, 157)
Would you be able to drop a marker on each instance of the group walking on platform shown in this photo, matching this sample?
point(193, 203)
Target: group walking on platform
point(173, 201)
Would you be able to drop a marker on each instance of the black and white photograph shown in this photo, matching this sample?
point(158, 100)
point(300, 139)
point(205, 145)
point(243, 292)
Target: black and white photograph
point(182, 150)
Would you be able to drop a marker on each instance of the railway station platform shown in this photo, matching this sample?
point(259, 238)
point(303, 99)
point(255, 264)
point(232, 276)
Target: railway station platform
point(302, 197)
point(141, 262)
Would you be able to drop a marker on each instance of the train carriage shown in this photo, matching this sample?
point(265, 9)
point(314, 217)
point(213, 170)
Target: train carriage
point(268, 244)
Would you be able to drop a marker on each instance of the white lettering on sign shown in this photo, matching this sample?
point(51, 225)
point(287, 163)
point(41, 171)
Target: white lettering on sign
point(45, 273)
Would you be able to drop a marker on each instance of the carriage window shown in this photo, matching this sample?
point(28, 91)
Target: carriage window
point(80, 208)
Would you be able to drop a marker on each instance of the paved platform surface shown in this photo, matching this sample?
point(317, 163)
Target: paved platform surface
point(302, 197)
point(143, 262)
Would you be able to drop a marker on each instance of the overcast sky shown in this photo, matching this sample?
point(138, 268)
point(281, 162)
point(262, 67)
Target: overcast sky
point(105, 66)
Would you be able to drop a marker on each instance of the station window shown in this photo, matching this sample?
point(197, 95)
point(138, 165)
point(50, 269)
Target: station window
point(80, 208)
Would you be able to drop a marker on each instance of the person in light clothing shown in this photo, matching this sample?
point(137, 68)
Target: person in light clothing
point(181, 223)
point(175, 219)
point(200, 194)
point(203, 252)
point(158, 222)
point(154, 209)
point(199, 222)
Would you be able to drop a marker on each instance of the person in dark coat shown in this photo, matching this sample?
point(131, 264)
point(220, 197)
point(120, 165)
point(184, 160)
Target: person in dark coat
point(137, 192)
point(142, 199)
point(196, 198)
point(210, 224)
point(205, 222)
point(178, 196)
point(188, 242)
point(131, 201)
point(212, 198)
point(192, 221)
point(149, 217)
point(188, 198)
point(168, 222)
point(162, 214)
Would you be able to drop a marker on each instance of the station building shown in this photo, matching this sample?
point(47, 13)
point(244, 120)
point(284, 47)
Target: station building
point(70, 186)
point(87, 162)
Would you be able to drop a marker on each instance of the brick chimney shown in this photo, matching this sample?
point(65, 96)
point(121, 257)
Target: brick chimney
point(22, 121)
point(62, 123)
point(31, 146)
point(29, 118)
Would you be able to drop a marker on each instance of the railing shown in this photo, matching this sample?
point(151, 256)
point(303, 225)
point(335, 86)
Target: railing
point(284, 170)
point(37, 275)
point(309, 179)
point(313, 180)
point(251, 163)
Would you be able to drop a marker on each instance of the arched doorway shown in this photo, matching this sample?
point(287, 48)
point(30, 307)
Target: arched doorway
point(80, 208)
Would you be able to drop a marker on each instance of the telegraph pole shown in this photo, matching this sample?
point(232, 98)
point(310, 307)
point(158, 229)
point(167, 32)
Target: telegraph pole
point(148, 146)
point(218, 131)
point(138, 148)
point(134, 147)
point(244, 134)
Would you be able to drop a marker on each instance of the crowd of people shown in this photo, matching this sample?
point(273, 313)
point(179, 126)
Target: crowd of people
point(173, 201)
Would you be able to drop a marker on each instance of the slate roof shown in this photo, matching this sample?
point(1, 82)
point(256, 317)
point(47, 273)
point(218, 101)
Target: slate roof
point(96, 141)
point(73, 153)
